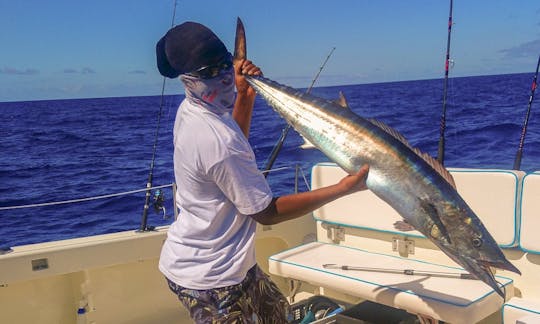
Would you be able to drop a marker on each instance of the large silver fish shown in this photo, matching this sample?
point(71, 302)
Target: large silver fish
point(417, 186)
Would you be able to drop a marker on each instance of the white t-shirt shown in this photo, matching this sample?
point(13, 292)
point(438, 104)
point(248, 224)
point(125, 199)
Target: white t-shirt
point(211, 244)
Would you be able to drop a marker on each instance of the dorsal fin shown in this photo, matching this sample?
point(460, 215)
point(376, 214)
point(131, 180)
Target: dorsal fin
point(390, 131)
point(435, 164)
point(342, 101)
point(428, 158)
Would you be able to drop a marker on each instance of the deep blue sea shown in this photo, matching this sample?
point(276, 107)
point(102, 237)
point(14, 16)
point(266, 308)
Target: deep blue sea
point(61, 150)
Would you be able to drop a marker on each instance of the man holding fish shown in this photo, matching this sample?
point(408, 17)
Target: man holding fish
point(208, 257)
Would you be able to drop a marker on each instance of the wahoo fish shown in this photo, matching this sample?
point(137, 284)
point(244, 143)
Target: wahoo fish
point(416, 185)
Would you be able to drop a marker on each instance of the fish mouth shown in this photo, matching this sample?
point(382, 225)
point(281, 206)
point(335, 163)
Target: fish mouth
point(482, 270)
point(503, 265)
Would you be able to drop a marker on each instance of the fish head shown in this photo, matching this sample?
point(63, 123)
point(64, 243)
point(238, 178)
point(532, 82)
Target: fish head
point(460, 234)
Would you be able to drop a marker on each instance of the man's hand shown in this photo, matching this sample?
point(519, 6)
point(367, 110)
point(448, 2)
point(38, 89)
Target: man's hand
point(245, 99)
point(355, 182)
point(241, 68)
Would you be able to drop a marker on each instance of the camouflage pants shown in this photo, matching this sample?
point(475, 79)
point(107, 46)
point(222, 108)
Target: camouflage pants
point(255, 300)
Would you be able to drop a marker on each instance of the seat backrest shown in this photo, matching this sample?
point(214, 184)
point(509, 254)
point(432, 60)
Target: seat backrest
point(529, 239)
point(492, 194)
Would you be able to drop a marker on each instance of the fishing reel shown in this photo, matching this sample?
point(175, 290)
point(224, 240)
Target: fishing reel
point(314, 309)
point(158, 201)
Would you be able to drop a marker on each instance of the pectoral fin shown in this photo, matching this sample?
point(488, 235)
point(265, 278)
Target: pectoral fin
point(403, 226)
point(437, 229)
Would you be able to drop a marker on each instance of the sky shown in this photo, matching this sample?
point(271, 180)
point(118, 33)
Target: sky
point(63, 49)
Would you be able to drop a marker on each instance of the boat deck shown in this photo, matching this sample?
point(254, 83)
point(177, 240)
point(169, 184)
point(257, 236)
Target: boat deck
point(115, 276)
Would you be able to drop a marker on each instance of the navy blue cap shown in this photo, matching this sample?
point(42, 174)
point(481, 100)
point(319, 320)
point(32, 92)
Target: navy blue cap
point(186, 48)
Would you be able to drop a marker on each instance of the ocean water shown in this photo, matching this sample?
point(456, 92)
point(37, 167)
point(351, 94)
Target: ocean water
point(68, 149)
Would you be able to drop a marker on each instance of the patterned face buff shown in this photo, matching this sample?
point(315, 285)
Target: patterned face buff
point(215, 94)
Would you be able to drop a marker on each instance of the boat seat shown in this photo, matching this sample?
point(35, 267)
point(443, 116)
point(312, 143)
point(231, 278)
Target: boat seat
point(439, 297)
point(519, 310)
point(491, 193)
point(525, 309)
point(494, 196)
point(530, 213)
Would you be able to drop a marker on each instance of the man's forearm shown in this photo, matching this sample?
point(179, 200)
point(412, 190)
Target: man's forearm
point(293, 206)
point(243, 110)
point(296, 205)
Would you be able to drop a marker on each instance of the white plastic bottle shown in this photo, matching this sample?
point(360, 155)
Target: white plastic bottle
point(81, 314)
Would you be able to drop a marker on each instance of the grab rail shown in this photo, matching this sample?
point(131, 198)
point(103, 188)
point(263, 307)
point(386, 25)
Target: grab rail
point(84, 199)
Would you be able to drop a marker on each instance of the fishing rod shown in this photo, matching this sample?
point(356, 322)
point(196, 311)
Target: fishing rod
point(159, 197)
point(285, 132)
point(440, 154)
point(517, 161)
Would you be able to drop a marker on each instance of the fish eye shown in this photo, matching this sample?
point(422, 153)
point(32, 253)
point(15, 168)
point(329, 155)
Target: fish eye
point(477, 242)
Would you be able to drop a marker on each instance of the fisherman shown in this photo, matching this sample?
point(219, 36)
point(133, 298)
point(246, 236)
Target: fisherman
point(208, 257)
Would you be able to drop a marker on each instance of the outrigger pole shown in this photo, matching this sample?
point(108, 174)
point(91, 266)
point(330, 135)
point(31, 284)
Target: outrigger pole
point(440, 155)
point(517, 161)
point(279, 143)
point(144, 227)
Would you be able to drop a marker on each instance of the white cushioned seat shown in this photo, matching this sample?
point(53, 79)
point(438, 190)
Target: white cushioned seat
point(492, 195)
point(442, 298)
point(529, 240)
point(373, 213)
point(522, 310)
